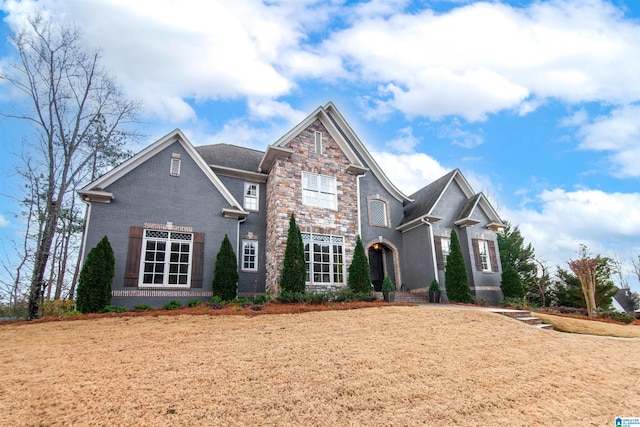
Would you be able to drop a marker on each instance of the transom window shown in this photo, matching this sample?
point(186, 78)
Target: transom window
point(483, 252)
point(249, 255)
point(319, 190)
point(324, 258)
point(378, 213)
point(318, 142)
point(250, 196)
point(166, 258)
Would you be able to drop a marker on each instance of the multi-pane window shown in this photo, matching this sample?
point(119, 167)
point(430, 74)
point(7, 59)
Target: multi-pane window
point(483, 253)
point(319, 190)
point(378, 213)
point(249, 255)
point(166, 258)
point(318, 142)
point(251, 196)
point(324, 258)
point(445, 243)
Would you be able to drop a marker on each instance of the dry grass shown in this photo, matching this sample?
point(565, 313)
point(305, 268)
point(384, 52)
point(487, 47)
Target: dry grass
point(583, 326)
point(391, 366)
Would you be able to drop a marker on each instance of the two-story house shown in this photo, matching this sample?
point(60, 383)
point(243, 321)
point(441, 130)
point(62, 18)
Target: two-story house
point(167, 209)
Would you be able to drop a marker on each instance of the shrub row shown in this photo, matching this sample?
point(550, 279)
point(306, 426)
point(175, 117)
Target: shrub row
point(343, 295)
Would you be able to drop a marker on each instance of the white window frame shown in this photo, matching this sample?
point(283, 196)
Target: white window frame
point(483, 253)
point(165, 262)
point(319, 191)
point(316, 258)
point(317, 140)
point(445, 245)
point(245, 255)
point(251, 202)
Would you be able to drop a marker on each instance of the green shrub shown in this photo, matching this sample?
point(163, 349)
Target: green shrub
point(225, 275)
point(294, 271)
point(261, 299)
point(456, 280)
point(387, 285)
point(365, 296)
point(113, 309)
point(172, 305)
point(240, 301)
point(289, 297)
point(518, 303)
point(434, 286)
point(359, 271)
point(57, 308)
point(94, 283)
point(317, 297)
point(618, 316)
point(216, 299)
point(72, 313)
point(142, 307)
point(511, 284)
point(194, 303)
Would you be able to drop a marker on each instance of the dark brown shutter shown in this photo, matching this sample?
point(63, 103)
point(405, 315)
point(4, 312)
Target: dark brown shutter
point(437, 242)
point(476, 254)
point(492, 255)
point(197, 262)
point(132, 269)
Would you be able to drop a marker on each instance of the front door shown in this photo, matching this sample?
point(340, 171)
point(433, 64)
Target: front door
point(377, 268)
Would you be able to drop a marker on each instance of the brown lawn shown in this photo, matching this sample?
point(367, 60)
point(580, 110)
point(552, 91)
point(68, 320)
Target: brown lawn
point(386, 366)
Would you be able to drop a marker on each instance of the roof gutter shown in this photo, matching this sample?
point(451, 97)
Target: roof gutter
point(434, 261)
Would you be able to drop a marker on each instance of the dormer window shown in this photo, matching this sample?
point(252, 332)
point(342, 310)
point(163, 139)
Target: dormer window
point(250, 196)
point(174, 169)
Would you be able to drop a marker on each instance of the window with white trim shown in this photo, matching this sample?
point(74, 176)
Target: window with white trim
point(174, 169)
point(166, 259)
point(319, 190)
point(250, 255)
point(251, 196)
point(378, 213)
point(445, 244)
point(483, 253)
point(324, 259)
point(318, 142)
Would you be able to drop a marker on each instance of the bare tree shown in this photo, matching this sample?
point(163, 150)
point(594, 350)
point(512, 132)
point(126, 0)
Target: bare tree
point(542, 280)
point(70, 97)
point(636, 267)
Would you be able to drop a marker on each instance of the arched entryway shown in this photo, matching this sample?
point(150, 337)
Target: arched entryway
point(383, 260)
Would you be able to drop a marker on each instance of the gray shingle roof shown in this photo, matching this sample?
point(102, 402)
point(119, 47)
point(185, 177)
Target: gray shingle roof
point(467, 210)
point(425, 198)
point(231, 156)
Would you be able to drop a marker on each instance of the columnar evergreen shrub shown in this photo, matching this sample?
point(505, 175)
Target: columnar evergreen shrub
point(225, 274)
point(294, 271)
point(94, 284)
point(359, 271)
point(387, 285)
point(511, 284)
point(455, 273)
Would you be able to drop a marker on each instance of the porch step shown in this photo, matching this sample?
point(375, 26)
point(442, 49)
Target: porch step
point(523, 316)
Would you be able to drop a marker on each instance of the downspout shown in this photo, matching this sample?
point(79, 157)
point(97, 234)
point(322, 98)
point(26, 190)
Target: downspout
point(358, 196)
point(433, 248)
point(240, 221)
point(87, 217)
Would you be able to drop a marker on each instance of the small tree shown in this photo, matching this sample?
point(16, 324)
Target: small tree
point(94, 284)
point(456, 280)
point(225, 274)
point(294, 270)
point(359, 272)
point(511, 284)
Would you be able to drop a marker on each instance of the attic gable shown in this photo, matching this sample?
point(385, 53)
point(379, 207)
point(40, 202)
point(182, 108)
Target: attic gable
point(94, 192)
point(479, 201)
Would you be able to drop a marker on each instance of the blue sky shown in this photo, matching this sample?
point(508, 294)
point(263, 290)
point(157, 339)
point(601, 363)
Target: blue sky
point(537, 102)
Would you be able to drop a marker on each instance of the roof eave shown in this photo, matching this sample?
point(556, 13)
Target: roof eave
point(95, 196)
point(271, 155)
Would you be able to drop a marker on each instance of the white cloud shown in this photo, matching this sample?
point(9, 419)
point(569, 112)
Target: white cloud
point(487, 56)
point(268, 109)
point(409, 172)
point(4, 222)
point(405, 142)
point(608, 223)
point(459, 136)
point(618, 134)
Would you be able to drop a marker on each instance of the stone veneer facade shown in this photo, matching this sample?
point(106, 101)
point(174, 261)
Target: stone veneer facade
point(284, 197)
